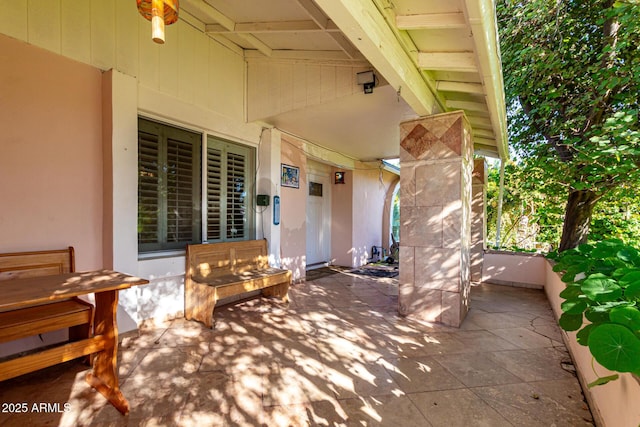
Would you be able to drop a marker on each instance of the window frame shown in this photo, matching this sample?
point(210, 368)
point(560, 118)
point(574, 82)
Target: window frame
point(199, 197)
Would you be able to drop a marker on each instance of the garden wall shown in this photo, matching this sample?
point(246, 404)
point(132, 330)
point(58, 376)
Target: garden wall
point(614, 404)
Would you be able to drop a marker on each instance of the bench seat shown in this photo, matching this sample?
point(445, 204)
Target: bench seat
point(73, 313)
point(16, 324)
point(219, 270)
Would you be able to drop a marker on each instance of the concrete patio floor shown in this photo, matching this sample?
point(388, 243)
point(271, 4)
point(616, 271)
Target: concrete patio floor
point(336, 355)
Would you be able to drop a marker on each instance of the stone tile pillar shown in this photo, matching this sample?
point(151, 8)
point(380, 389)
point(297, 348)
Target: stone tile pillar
point(436, 162)
point(478, 217)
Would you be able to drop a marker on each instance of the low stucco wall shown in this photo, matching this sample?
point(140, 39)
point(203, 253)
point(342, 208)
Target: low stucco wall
point(614, 404)
point(514, 269)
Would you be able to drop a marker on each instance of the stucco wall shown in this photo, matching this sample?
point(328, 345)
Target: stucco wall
point(342, 220)
point(515, 269)
point(293, 234)
point(50, 153)
point(369, 191)
point(51, 192)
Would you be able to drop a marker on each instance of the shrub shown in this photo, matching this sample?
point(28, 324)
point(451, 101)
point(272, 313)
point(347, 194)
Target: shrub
point(603, 287)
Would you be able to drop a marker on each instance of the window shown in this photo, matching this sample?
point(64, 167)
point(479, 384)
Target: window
point(169, 187)
point(230, 201)
point(172, 193)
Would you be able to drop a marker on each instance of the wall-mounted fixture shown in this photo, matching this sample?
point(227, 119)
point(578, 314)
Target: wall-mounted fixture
point(367, 79)
point(160, 13)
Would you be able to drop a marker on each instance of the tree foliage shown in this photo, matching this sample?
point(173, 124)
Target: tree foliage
point(572, 78)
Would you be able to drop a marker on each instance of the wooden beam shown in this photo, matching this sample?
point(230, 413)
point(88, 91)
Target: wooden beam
point(269, 27)
point(315, 13)
point(461, 87)
point(486, 150)
point(483, 133)
point(256, 43)
point(309, 55)
point(485, 141)
point(431, 21)
point(480, 122)
point(467, 106)
point(448, 61)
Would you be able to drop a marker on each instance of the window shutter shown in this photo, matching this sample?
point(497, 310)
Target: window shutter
point(236, 192)
point(230, 198)
point(169, 186)
point(148, 188)
point(214, 193)
point(179, 191)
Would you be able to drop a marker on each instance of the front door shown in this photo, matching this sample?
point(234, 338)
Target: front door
point(318, 219)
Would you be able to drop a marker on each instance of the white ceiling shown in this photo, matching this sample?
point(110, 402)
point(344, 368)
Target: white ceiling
point(442, 54)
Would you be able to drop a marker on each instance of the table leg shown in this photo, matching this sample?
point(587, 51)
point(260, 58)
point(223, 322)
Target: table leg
point(104, 377)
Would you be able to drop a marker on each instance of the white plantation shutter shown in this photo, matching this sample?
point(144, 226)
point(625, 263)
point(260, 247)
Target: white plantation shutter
point(214, 194)
point(230, 192)
point(168, 186)
point(148, 188)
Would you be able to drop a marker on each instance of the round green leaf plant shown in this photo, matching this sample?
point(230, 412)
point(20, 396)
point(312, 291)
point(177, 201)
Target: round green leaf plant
point(601, 302)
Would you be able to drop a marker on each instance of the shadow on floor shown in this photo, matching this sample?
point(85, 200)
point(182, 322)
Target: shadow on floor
point(337, 355)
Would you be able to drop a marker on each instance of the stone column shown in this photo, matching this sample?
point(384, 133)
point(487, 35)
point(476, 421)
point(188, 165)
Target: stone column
point(435, 215)
point(478, 218)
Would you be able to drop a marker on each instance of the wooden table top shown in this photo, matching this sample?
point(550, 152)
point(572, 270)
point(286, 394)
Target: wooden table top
point(17, 293)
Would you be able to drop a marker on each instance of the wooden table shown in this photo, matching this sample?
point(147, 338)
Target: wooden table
point(105, 284)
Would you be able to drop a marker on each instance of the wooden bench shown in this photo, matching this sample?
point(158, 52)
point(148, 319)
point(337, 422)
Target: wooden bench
point(219, 270)
point(72, 313)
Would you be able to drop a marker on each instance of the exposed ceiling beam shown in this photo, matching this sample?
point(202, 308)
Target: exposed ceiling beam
point(256, 43)
point(315, 13)
point(368, 30)
point(214, 14)
point(272, 27)
point(321, 19)
point(448, 61)
point(312, 55)
point(431, 21)
point(462, 87)
point(486, 150)
point(480, 122)
point(467, 106)
point(484, 133)
point(485, 141)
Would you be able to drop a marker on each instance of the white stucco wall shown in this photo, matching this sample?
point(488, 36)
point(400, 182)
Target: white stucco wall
point(513, 268)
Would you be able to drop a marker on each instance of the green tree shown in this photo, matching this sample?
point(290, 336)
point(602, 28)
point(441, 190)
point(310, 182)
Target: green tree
point(572, 78)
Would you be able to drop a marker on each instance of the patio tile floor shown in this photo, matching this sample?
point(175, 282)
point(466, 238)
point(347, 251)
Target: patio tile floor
point(336, 355)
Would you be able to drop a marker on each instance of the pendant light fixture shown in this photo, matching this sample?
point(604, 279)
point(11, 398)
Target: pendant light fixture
point(160, 13)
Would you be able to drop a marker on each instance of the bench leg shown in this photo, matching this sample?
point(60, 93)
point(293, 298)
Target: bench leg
point(200, 301)
point(281, 291)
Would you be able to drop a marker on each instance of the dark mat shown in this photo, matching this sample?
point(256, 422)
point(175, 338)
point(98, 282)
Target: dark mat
point(376, 272)
point(318, 273)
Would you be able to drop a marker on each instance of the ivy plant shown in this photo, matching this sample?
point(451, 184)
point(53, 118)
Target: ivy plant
point(603, 287)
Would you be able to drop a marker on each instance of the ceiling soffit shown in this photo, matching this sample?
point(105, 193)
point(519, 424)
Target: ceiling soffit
point(439, 56)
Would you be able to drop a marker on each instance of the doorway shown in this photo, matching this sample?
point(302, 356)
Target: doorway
point(318, 215)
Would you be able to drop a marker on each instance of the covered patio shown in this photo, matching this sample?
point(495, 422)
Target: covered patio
point(337, 355)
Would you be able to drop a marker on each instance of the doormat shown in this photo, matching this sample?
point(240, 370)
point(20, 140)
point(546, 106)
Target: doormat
point(319, 273)
point(376, 271)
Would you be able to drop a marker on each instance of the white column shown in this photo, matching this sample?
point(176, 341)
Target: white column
point(268, 182)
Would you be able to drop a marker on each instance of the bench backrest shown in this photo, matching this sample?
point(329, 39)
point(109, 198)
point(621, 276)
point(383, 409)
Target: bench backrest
point(218, 259)
point(38, 263)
